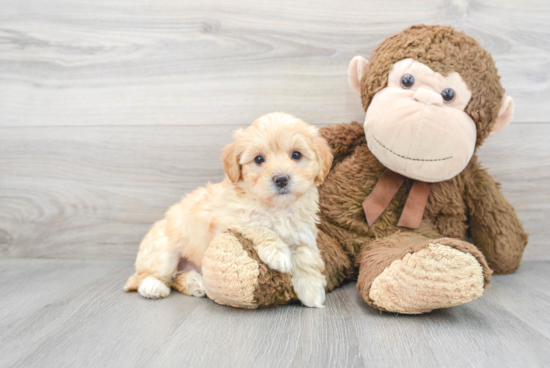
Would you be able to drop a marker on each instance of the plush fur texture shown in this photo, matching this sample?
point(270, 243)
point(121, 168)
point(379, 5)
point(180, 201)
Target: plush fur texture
point(413, 131)
point(230, 274)
point(390, 251)
point(444, 50)
point(467, 205)
point(435, 260)
point(280, 218)
point(436, 276)
point(234, 275)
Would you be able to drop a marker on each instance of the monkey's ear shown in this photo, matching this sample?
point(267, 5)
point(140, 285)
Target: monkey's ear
point(231, 165)
point(356, 69)
point(504, 115)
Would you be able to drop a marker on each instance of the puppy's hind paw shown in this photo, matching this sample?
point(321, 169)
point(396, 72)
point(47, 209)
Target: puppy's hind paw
point(152, 288)
point(196, 286)
point(276, 258)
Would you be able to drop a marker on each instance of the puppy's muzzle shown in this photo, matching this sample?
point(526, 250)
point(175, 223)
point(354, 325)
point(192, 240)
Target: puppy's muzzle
point(281, 181)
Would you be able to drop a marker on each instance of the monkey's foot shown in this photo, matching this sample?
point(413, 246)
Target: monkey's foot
point(234, 275)
point(437, 276)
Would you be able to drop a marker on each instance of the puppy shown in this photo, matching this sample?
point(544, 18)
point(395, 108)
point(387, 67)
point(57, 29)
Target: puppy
point(269, 195)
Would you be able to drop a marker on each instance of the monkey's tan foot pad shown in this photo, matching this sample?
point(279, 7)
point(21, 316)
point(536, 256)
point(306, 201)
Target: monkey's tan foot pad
point(437, 276)
point(234, 275)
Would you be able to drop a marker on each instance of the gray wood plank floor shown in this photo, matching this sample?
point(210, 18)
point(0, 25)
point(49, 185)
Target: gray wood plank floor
point(74, 313)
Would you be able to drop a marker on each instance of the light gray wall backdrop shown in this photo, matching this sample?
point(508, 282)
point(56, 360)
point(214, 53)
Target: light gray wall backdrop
point(111, 110)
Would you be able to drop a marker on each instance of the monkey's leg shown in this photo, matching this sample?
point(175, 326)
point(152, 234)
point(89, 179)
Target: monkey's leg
point(411, 274)
point(234, 275)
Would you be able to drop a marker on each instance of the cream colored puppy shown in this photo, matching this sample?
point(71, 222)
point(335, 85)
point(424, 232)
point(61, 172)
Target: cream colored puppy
point(269, 195)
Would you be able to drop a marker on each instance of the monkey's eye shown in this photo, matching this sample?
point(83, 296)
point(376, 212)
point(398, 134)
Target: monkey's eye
point(448, 94)
point(296, 155)
point(407, 81)
point(259, 160)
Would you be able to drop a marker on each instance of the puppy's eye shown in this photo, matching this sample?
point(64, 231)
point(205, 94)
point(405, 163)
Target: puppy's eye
point(296, 155)
point(259, 160)
point(407, 81)
point(448, 94)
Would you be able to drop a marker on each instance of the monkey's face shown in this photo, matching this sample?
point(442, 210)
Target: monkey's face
point(416, 126)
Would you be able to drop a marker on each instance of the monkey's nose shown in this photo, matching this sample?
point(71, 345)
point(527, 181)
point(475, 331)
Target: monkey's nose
point(281, 181)
point(428, 97)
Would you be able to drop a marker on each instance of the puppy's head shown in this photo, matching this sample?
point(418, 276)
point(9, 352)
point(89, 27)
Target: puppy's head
point(277, 159)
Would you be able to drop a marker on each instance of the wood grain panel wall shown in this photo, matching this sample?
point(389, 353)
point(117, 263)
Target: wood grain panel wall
point(94, 191)
point(126, 62)
point(111, 110)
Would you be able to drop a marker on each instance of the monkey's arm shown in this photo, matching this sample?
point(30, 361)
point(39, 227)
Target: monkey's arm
point(494, 225)
point(343, 138)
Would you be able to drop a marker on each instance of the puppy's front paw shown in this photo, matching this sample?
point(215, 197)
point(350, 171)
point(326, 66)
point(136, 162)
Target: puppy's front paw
point(275, 257)
point(310, 291)
point(152, 288)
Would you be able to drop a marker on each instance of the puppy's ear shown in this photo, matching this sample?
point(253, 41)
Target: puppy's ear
point(230, 159)
point(324, 158)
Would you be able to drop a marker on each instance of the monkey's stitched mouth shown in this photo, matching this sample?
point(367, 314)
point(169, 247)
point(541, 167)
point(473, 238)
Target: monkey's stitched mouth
point(410, 158)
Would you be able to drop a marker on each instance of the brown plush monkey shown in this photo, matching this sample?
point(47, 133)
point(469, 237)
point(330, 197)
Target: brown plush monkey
point(406, 191)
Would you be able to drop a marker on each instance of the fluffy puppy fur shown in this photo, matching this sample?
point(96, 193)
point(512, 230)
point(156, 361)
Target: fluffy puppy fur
point(269, 195)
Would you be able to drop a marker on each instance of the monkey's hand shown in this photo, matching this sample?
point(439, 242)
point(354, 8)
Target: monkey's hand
point(494, 225)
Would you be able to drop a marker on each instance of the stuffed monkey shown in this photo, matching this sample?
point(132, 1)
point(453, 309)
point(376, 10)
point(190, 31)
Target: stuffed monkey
point(406, 193)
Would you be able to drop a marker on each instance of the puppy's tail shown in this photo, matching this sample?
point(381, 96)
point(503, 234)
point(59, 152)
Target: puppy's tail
point(133, 282)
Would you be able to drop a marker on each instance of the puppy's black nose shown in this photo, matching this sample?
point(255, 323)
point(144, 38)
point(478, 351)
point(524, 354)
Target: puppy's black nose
point(281, 181)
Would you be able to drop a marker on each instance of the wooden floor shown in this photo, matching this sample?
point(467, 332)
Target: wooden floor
point(73, 313)
point(111, 110)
